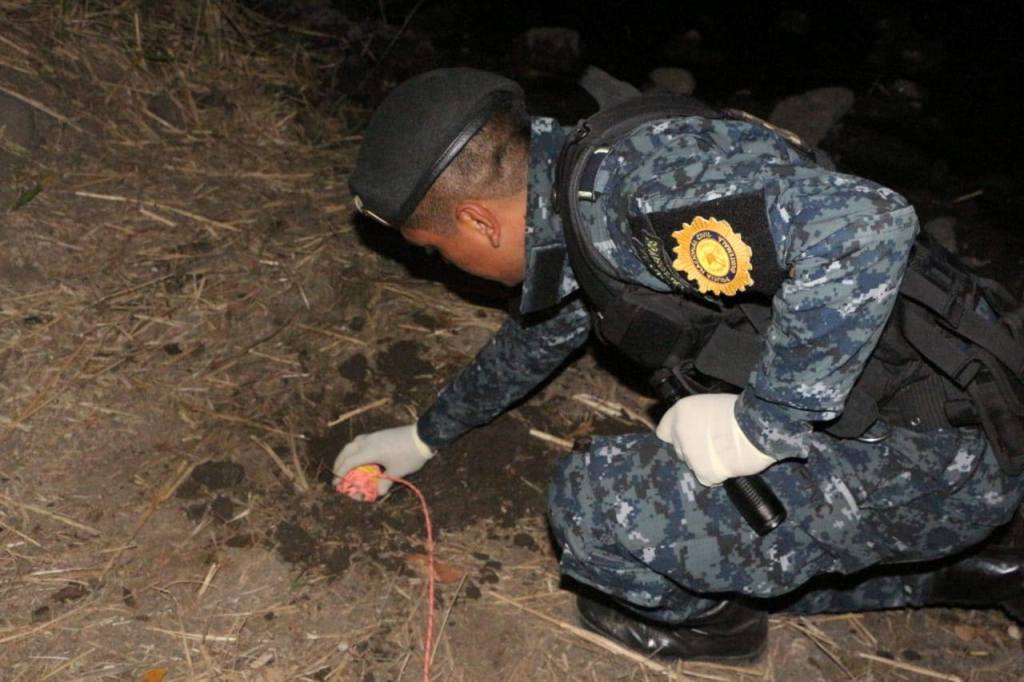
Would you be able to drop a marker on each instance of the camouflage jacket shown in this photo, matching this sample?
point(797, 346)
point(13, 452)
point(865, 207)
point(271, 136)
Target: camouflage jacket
point(843, 240)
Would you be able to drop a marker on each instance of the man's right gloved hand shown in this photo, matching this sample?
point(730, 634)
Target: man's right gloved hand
point(704, 432)
point(399, 451)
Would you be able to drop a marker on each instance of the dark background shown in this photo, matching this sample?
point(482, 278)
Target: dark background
point(937, 112)
point(966, 58)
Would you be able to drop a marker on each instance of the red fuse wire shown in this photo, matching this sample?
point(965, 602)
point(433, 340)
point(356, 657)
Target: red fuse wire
point(361, 484)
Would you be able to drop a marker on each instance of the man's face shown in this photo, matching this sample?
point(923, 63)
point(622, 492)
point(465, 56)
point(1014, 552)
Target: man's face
point(487, 242)
point(476, 257)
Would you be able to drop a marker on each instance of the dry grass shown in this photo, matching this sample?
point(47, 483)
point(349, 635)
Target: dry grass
point(180, 288)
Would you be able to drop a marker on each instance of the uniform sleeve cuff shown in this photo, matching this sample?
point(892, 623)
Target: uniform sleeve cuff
point(778, 431)
point(436, 432)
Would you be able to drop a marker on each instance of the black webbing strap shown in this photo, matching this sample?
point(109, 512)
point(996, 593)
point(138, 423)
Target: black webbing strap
point(729, 355)
point(942, 350)
point(965, 322)
point(1004, 428)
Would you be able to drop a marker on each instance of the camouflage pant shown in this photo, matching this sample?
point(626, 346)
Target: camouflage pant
point(633, 522)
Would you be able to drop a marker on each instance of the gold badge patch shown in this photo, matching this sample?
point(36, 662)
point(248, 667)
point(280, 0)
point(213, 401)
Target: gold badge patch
point(714, 256)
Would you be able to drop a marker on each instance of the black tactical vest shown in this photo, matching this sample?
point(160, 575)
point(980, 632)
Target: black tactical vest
point(938, 364)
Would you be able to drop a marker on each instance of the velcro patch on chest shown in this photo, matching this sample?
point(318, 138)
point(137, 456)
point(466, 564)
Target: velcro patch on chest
point(721, 247)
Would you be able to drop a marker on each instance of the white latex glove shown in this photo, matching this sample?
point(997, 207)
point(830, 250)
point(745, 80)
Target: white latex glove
point(705, 435)
point(399, 451)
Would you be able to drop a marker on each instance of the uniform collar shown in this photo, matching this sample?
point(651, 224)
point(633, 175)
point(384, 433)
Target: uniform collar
point(547, 276)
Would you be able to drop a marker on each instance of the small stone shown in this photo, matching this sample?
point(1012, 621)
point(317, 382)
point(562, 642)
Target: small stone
point(1013, 632)
point(812, 114)
point(605, 88)
point(966, 633)
point(672, 80)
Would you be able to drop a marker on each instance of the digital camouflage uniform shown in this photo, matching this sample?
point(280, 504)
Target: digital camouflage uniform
point(631, 518)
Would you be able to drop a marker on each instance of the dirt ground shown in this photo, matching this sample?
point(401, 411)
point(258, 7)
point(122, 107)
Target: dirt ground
point(192, 324)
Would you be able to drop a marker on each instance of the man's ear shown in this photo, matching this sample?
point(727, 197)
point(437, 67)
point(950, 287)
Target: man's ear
point(475, 218)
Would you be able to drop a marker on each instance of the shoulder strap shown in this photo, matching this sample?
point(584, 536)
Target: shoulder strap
point(599, 284)
point(937, 280)
point(967, 323)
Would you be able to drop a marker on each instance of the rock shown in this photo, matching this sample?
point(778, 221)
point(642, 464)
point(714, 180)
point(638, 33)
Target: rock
point(811, 114)
point(943, 230)
point(18, 122)
point(605, 88)
point(552, 49)
point(672, 80)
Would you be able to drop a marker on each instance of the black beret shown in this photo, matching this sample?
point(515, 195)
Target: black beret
point(416, 132)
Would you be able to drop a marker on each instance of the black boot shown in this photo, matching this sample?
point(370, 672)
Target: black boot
point(993, 577)
point(728, 632)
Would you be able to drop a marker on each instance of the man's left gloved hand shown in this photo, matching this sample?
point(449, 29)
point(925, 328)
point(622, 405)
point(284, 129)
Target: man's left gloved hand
point(705, 435)
point(399, 450)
